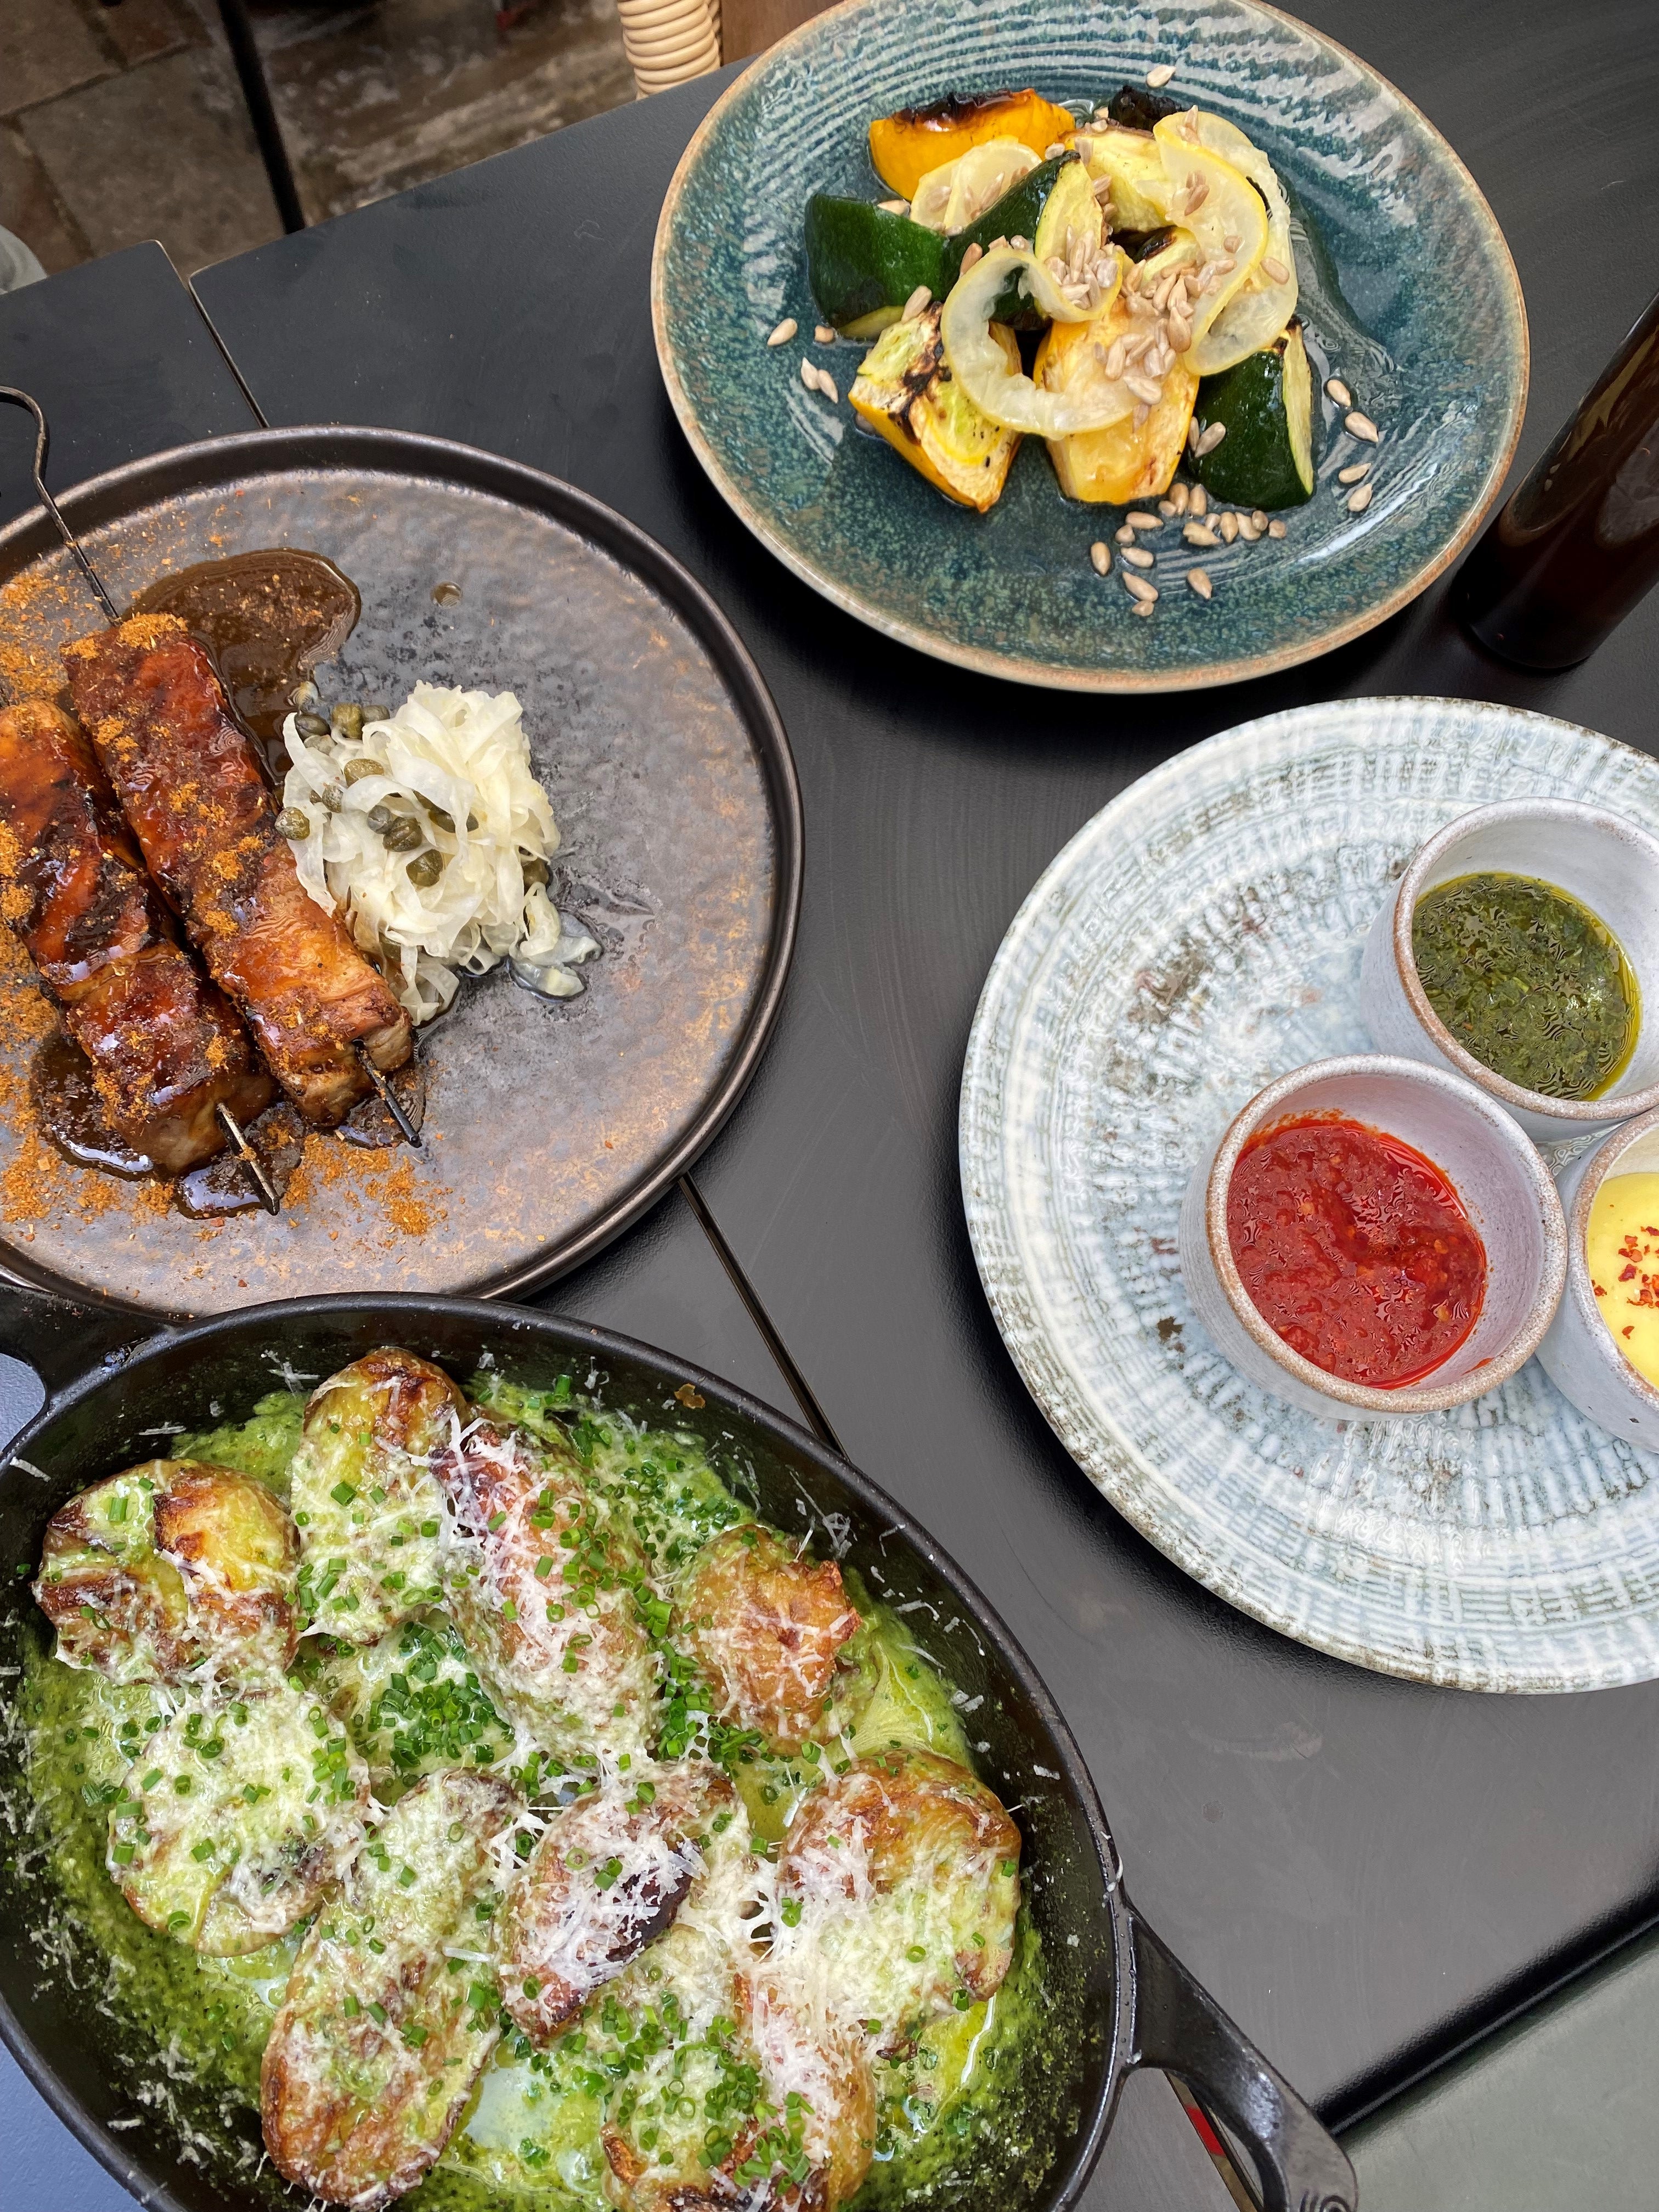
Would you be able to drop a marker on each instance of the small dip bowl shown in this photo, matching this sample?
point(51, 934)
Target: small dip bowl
point(1579, 1353)
point(1607, 865)
point(1504, 1188)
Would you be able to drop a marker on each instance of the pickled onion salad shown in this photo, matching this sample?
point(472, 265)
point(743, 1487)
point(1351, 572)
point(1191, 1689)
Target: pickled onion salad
point(429, 830)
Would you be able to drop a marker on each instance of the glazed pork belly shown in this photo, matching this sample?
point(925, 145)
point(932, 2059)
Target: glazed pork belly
point(189, 783)
point(166, 1049)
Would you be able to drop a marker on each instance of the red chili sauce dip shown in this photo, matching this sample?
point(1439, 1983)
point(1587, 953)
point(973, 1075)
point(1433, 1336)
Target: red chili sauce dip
point(1355, 1249)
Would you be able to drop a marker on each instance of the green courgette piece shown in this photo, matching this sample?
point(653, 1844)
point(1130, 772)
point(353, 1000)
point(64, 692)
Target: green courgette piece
point(1265, 403)
point(864, 264)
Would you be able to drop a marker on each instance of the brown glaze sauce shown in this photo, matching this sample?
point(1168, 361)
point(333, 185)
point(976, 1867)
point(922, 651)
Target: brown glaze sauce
point(268, 619)
point(71, 1113)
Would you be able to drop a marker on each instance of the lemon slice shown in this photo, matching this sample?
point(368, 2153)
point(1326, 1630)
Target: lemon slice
point(976, 358)
point(1264, 304)
point(1221, 208)
point(955, 194)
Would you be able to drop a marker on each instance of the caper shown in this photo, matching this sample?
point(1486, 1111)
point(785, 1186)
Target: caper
point(348, 719)
point(404, 835)
point(436, 813)
point(535, 872)
point(311, 725)
point(293, 822)
point(377, 713)
point(303, 695)
point(471, 821)
point(332, 797)
point(357, 770)
point(424, 869)
point(380, 818)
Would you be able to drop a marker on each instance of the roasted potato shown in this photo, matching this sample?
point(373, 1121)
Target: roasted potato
point(368, 1509)
point(821, 2087)
point(171, 1569)
point(764, 1625)
point(233, 1820)
point(900, 1876)
point(606, 1879)
point(413, 1704)
point(379, 2042)
point(541, 1578)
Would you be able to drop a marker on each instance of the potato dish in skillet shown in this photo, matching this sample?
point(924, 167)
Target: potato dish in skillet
point(473, 1779)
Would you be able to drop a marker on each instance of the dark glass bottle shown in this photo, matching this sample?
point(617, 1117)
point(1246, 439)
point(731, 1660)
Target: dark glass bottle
point(1577, 546)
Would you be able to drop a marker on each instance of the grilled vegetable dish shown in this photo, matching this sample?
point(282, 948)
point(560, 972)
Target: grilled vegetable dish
point(1120, 283)
point(471, 1782)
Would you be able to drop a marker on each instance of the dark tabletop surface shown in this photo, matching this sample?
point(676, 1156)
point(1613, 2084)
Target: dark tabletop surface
point(1361, 1870)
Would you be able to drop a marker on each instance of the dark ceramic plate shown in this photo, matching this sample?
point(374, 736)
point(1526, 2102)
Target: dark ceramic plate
point(1407, 289)
point(549, 1126)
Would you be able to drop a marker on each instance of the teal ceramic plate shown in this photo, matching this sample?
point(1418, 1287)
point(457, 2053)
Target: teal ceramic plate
point(1407, 287)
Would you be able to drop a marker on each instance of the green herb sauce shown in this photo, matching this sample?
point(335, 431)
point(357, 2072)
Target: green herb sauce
point(961, 2110)
point(1529, 981)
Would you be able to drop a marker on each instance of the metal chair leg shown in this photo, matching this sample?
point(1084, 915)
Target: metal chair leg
point(256, 92)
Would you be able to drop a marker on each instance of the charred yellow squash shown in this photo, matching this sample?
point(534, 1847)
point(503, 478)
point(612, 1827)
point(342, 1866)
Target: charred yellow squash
point(906, 146)
point(905, 392)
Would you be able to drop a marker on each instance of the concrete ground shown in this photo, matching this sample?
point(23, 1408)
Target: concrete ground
point(124, 122)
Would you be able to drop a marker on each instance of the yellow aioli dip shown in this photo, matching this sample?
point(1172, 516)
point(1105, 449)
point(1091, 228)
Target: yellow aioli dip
point(1622, 1248)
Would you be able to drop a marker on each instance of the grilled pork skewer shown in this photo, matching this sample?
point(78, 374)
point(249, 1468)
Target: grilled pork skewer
point(206, 823)
point(166, 1051)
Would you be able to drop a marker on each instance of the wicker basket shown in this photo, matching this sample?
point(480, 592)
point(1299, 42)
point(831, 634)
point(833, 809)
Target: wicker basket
point(670, 41)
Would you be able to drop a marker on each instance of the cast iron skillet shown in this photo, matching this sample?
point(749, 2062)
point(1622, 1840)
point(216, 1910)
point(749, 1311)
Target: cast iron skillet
point(1125, 2001)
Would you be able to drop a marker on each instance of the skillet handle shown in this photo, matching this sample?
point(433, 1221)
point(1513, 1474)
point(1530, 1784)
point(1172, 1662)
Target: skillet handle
point(1181, 2029)
point(62, 1340)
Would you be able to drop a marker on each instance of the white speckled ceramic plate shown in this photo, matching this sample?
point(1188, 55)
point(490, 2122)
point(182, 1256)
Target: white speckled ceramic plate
point(1199, 936)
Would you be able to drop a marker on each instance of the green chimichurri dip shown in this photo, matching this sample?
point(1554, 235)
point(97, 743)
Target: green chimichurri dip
point(1531, 982)
point(963, 2107)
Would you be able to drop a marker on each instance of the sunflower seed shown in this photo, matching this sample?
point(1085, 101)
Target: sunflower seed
point(1101, 555)
point(976, 252)
point(913, 307)
point(1195, 432)
point(785, 331)
point(1335, 389)
point(1161, 297)
point(1199, 500)
point(994, 246)
point(1197, 191)
point(1211, 439)
point(825, 334)
point(1145, 388)
point(1143, 410)
point(1139, 588)
point(1166, 507)
point(1355, 474)
point(894, 207)
point(1117, 355)
point(1360, 426)
point(1139, 519)
point(1275, 528)
point(1228, 526)
point(1179, 496)
point(1199, 533)
point(1181, 334)
point(1102, 189)
point(1158, 77)
point(1232, 241)
point(1358, 501)
point(827, 386)
point(1259, 518)
point(1138, 557)
point(1248, 530)
point(1020, 245)
point(809, 375)
point(1125, 536)
point(1055, 267)
point(1275, 271)
point(1200, 580)
point(1053, 152)
point(1142, 607)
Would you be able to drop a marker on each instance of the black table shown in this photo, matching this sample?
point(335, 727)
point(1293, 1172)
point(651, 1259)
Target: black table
point(1366, 1873)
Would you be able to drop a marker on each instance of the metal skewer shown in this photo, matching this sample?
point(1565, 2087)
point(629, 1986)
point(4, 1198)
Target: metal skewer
point(42, 442)
point(252, 1166)
point(390, 1100)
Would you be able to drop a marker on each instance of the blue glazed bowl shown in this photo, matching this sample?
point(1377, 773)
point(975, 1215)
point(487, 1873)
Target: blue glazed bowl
point(1408, 291)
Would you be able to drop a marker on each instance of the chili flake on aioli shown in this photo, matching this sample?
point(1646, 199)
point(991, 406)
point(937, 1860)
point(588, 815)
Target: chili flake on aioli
point(1355, 1249)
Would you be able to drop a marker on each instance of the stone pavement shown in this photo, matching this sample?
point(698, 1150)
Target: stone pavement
point(124, 122)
